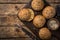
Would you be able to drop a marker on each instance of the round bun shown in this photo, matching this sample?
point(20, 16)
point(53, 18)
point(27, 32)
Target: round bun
point(37, 5)
point(53, 24)
point(39, 21)
point(44, 33)
point(49, 12)
point(32, 14)
point(26, 14)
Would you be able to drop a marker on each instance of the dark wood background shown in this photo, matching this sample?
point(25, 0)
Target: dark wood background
point(8, 17)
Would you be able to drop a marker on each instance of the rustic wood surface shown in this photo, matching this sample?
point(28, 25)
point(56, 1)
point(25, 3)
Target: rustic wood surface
point(8, 18)
point(15, 1)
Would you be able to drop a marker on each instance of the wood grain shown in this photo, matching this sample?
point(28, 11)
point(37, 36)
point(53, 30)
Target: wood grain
point(8, 13)
point(7, 32)
point(15, 1)
point(10, 8)
point(8, 18)
point(17, 39)
point(53, 1)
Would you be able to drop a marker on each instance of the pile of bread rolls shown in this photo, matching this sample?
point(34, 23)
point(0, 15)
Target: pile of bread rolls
point(48, 13)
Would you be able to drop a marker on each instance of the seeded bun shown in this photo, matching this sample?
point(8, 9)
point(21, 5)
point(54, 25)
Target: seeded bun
point(39, 21)
point(37, 5)
point(49, 12)
point(44, 33)
point(53, 24)
point(26, 14)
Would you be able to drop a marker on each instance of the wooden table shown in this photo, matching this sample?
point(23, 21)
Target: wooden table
point(8, 17)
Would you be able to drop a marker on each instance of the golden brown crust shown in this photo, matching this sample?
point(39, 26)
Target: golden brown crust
point(37, 5)
point(44, 33)
point(39, 21)
point(49, 12)
point(24, 14)
point(32, 15)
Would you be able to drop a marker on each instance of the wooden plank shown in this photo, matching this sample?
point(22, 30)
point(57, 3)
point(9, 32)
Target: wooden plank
point(8, 18)
point(11, 32)
point(9, 29)
point(26, 1)
point(17, 39)
point(15, 1)
point(8, 13)
point(10, 8)
point(53, 1)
